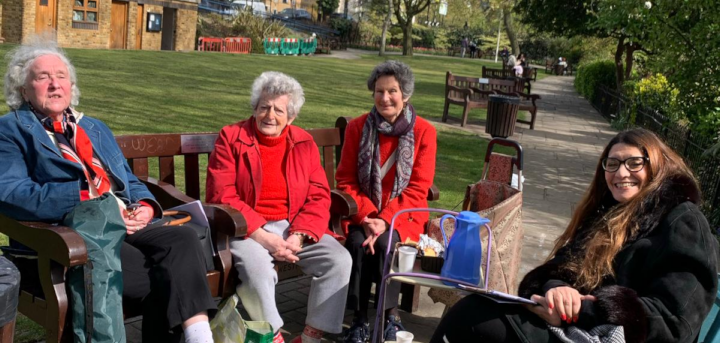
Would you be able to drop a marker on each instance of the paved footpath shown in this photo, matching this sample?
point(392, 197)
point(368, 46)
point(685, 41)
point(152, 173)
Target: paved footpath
point(560, 159)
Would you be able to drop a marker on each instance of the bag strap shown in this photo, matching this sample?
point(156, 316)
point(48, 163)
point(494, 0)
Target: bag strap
point(388, 164)
point(175, 222)
point(87, 278)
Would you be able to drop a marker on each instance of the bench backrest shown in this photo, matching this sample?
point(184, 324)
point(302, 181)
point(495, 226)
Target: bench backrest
point(497, 73)
point(139, 150)
point(485, 84)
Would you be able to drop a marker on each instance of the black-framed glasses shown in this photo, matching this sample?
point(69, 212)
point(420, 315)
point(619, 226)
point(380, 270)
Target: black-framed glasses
point(633, 164)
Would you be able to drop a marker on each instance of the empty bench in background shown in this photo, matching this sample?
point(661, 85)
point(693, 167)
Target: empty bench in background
point(473, 92)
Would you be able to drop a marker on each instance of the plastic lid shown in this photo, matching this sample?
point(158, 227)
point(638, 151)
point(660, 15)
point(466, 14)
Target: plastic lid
point(472, 217)
point(505, 99)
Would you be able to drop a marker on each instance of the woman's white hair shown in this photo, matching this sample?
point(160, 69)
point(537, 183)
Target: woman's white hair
point(22, 58)
point(275, 83)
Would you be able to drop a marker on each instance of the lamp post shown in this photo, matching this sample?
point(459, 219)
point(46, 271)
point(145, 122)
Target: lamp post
point(497, 48)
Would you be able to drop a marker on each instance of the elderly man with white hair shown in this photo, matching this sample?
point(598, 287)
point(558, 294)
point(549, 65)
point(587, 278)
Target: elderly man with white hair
point(56, 159)
point(270, 171)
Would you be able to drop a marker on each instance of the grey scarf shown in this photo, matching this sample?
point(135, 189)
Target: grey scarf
point(369, 166)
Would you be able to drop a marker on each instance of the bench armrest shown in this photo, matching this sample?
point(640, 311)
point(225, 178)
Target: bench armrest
point(342, 203)
point(226, 220)
point(433, 193)
point(58, 243)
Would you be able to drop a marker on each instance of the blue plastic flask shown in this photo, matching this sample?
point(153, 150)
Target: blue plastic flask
point(463, 255)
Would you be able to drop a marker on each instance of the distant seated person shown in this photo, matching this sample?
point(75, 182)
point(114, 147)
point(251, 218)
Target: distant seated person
point(563, 63)
point(522, 59)
point(56, 159)
point(518, 69)
point(473, 49)
point(638, 261)
point(505, 52)
point(270, 171)
point(511, 62)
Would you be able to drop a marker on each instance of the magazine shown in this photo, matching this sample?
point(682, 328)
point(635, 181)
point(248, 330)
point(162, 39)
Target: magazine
point(498, 297)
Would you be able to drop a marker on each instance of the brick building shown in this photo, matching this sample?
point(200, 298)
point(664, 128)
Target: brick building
point(104, 24)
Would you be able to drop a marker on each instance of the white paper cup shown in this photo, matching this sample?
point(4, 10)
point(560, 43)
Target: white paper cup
point(404, 337)
point(407, 259)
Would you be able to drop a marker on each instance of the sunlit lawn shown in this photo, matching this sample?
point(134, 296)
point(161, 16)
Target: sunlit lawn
point(154, 92)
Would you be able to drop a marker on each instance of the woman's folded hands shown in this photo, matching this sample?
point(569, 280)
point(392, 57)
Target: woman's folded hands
point(280, 249)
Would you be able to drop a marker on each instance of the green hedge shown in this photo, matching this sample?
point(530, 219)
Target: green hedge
point(593, 75)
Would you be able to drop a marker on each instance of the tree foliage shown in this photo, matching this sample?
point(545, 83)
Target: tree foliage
point(327, 6)
point(678, 39)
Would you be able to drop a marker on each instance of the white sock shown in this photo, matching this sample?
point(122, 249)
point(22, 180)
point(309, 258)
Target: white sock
point(198, 333)
point(308, 339)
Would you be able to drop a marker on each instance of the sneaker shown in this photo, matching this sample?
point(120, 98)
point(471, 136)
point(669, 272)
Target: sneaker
point(359, 332)
point(392, 326)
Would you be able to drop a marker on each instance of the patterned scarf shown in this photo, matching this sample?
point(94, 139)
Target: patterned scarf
point(369, 155)
point(75, 146)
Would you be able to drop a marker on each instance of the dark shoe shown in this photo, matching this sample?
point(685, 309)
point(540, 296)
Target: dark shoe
point(392, 326)
point(359, 332)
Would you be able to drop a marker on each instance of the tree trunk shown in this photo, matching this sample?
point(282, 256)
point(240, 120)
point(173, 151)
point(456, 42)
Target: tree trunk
point(386, 26)
point(619, 75)
point(507, 19)
point(629, 50)
point(407, 37)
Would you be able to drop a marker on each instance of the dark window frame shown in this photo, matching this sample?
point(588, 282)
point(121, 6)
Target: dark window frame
point(86, 24)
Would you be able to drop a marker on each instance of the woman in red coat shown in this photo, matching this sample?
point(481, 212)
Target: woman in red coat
point(387, 165)
point(270, 171)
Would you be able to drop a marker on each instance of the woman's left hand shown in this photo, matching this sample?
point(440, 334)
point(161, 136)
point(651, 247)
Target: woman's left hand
point(543, 311)
point(138, 219)
point(373, 227)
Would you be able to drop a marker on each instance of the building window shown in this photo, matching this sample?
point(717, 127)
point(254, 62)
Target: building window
point(85, 14)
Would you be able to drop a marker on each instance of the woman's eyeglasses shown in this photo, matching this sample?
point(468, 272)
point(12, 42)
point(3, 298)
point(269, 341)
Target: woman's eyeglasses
point(633, 164)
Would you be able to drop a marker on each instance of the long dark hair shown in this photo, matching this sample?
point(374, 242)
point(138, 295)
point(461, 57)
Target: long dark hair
point(609, 233)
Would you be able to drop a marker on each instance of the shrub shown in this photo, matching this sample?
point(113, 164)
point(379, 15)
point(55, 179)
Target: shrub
point(655, 92)
point(257, 29)
point(593, 75)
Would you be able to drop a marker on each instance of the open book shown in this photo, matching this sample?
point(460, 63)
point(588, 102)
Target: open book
point(196, 211)
point(498, 297)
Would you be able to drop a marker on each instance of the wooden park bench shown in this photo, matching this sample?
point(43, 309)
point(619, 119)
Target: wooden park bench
point(549, 65)
point(59, 248)
point(473, 92)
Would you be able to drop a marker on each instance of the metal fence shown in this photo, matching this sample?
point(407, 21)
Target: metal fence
point(624, 114)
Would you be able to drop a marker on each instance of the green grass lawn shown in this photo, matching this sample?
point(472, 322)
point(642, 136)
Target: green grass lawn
point(156, 91)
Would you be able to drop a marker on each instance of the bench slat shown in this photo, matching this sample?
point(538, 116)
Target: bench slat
point(167, 169)
point(192, 176)
point(329, 165)
point(139, 166)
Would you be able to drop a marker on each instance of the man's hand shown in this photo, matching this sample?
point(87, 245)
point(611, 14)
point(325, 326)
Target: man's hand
point(137, 219)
